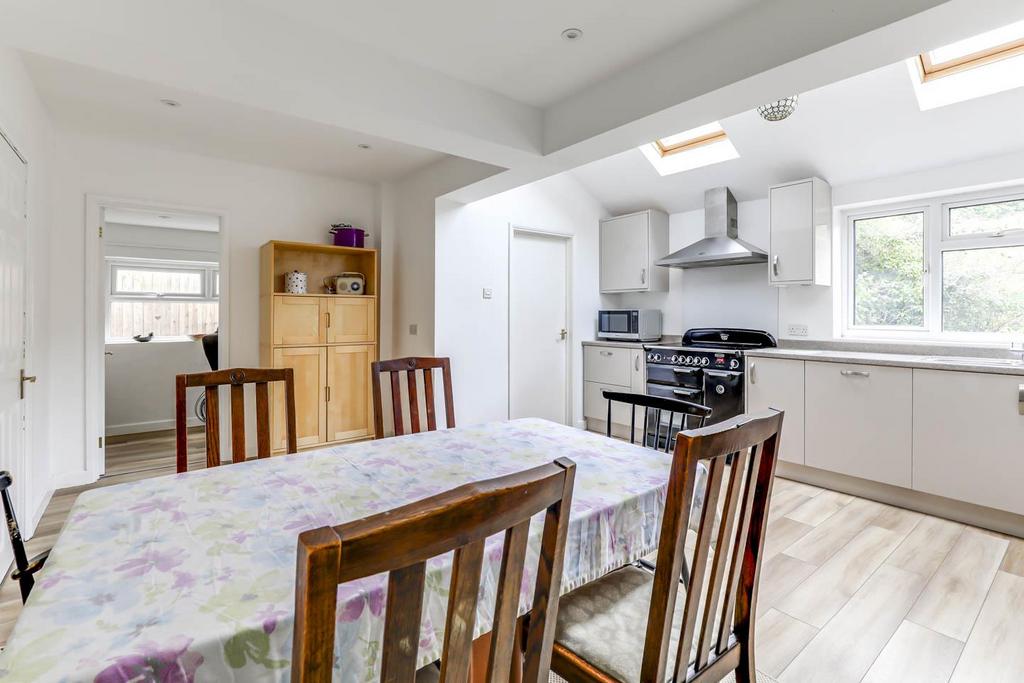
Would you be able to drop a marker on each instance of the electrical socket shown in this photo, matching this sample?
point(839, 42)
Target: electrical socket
point(414, 328)
point(797, 330)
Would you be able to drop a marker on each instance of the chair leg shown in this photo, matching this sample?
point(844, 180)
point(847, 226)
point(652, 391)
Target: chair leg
point(746, 671)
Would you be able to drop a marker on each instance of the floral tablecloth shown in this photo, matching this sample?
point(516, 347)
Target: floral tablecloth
point(191, 577)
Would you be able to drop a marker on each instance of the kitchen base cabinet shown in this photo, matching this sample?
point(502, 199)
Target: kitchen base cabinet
point(858, 420)
point(779, 383)
point(612, 368)
point(969, 437)
point(308, 366)
point(349, 399)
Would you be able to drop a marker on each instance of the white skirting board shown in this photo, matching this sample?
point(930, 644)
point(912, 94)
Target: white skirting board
point(151, 426)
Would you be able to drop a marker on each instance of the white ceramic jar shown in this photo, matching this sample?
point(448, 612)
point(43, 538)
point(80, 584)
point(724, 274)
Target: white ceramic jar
point(295, 282)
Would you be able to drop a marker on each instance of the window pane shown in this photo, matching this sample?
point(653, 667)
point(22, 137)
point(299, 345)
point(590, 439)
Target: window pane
point(983, 290)
point(139, 281)
point(986, 218)
point(889, 271)
point(162, 318)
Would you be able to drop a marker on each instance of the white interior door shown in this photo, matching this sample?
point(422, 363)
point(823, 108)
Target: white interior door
point(539, 326)
point(13, 236)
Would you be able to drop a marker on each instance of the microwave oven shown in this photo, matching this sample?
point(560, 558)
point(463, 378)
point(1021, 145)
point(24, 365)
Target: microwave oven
point(629, 324)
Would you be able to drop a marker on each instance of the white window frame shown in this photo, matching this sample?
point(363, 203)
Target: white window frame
point(209, 271)
point(937, 241)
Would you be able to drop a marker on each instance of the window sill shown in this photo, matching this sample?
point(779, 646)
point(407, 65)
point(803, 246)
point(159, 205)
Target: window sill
point(961, 345)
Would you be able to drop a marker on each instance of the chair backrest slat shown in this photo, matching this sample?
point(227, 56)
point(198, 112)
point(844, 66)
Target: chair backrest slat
point(673, 406)
point(725, 599)
point(414, 367)
point(458, 629)
point(401, 541)
point(236, 378)
point(402, 623)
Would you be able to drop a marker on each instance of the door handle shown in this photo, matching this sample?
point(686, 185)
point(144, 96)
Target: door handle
point(563, 333)
point(688, 371)
point(328, 319)
point(775, 265)
point(753, 373)
point(854, 373)
point(607, 353)
point(643, 276)
point(636, 363)
point(22, 380)
point(685, 392)
point(327, 390)
point(1020, 399)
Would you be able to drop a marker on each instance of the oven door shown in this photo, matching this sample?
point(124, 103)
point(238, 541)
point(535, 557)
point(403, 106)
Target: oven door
point(621, 324)
point(723, 393)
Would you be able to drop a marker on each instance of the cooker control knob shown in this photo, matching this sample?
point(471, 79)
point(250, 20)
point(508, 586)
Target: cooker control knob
point(657, 357)
point(689, 360)
point(650, 356)
point(704, 360)
point(675, 359)
point(734, 363)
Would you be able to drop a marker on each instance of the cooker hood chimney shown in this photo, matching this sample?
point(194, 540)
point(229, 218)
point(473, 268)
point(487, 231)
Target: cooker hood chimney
point(720, 245)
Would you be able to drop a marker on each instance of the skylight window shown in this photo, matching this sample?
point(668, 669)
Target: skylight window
point(982, 65)
point(701, 146)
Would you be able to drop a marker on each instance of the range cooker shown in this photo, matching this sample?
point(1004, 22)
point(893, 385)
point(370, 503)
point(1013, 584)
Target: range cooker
point(707, 368)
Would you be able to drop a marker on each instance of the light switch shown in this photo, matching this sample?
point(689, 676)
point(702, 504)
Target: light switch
point(487, 292)
point(414, 328)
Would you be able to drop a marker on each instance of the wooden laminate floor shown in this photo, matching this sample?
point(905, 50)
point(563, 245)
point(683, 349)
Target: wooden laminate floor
point(851, 590)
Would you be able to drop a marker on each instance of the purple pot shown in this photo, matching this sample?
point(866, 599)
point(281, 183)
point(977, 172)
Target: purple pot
point(349, 237)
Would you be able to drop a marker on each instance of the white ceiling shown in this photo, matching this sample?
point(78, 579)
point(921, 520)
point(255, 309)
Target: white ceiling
point(516, 48)
point(98, 102)
point(861, 128)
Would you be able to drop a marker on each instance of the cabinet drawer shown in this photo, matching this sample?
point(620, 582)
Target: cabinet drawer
point(297, 320)
point(608, 365)
point(859, 420)
point(350, 320)
point(968, 436)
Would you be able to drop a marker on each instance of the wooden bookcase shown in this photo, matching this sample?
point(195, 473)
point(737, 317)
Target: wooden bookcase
point(329, 340)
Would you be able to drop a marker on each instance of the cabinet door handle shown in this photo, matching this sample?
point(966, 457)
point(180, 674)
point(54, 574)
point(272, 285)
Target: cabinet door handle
point(327, 390)
point(328, 319)
point(753, 373)
point(775, 265)
point(607, 353)
point(643, 276)
point(854, 373)
point(1020, 399)
point(636, 364)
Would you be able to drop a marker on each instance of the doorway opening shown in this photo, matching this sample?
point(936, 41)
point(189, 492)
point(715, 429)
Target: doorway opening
point(160, 279)
point(539, 329)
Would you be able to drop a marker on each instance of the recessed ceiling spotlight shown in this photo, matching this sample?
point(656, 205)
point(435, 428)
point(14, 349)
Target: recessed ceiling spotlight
point(572, 34)
point(169, 102)
point(363, 145)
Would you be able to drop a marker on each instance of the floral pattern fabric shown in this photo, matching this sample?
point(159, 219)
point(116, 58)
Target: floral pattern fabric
point(191, 577)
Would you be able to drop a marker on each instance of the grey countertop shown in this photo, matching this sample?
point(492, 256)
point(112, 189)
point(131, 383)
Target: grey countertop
point(1000, 366)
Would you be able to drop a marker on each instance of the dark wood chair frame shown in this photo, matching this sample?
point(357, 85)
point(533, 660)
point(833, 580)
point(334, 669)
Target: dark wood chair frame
point(752, 440)
point(411, 366)
point(24, 568)
point(236, 378)
point(402, 540)
point(659, 404)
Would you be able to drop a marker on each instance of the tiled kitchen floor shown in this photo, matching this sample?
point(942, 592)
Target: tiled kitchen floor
point(851, 590)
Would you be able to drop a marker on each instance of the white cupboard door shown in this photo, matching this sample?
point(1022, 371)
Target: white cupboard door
point(778, 383)
point(792, 233)
point(625, 258)
point(859, 420)
point(969, 437)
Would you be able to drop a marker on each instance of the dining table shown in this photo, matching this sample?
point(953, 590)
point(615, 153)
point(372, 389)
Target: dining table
point(191, 577)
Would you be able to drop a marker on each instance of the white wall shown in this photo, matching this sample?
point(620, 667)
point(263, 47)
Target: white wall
point(262, 203)
point(24, 120)
point(472, 253)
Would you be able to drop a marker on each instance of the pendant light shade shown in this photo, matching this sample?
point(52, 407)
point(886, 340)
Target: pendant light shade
point(779, 109)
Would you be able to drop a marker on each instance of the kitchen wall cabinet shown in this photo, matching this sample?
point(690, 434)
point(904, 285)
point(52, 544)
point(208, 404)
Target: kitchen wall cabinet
point(858, 420)
point(328, 339)
point(612, 368)
point(800, 243)
point(629, 247)
point(779, 383)
point(969, 437)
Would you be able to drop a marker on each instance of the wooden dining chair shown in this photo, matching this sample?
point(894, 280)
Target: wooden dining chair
point(24, 568)
point(636, 627)
point(236, 378)
point(659, 404)
point(411, 366)
point(402, 540)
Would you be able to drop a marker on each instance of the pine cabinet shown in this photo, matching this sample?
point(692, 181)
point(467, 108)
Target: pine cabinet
point(969, 437)
point(800, 229)
point(629, 247)
point(329, 340)
point(858, 420)
point(778, 383)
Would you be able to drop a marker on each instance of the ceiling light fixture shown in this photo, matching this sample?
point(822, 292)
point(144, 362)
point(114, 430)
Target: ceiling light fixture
point(779, 109)
point(363, 145)
point(572, 34)
point(169, 102)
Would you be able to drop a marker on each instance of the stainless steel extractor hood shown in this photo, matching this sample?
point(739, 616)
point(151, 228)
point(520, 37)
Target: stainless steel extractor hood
point(720, 246)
